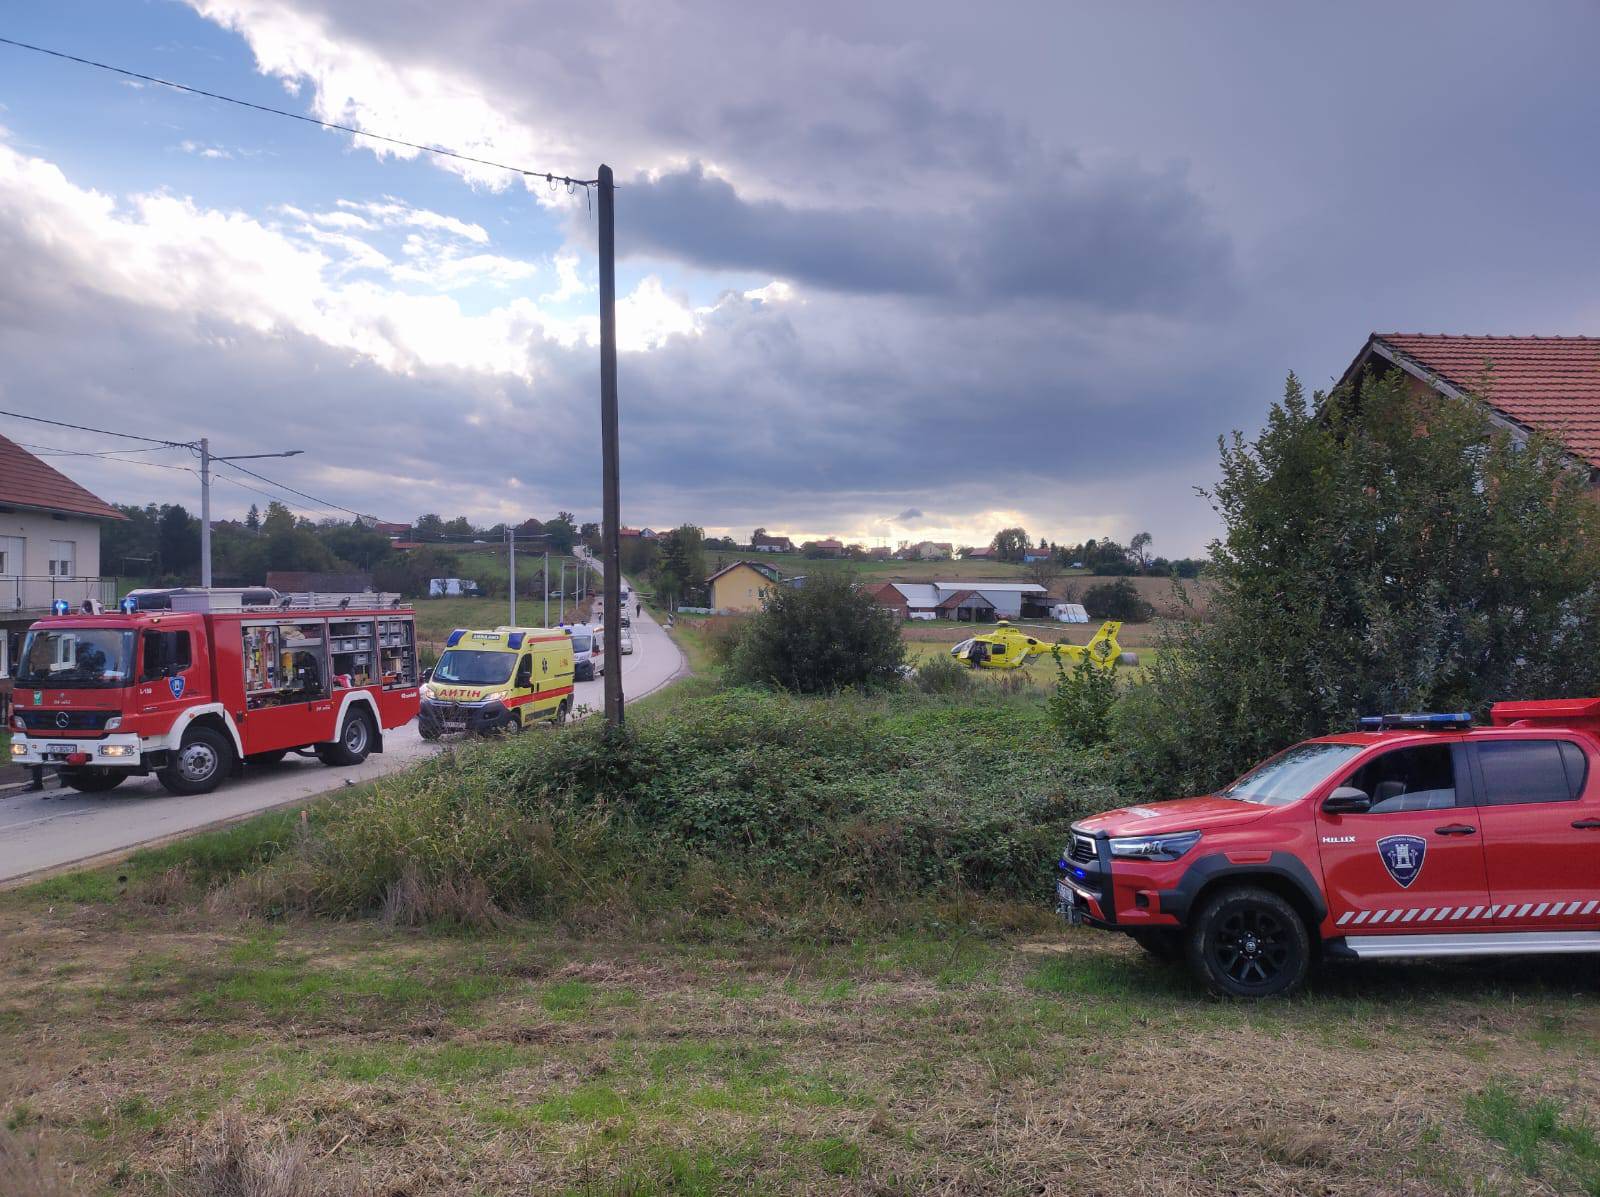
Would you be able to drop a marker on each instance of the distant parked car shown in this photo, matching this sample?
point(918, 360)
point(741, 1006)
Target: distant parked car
point(627, 641)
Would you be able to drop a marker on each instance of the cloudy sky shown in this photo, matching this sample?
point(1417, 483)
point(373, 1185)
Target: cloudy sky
point(888, 271)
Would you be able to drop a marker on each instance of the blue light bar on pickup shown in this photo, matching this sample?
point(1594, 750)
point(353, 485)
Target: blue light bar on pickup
point(1451, 721)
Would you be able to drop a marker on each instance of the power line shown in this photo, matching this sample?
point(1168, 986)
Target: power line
point(269, 495)
point(552, 179)
point(323, 503)
point(106, 454)
point(130, 436)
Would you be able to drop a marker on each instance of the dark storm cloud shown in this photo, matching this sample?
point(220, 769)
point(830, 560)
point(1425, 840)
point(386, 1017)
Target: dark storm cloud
point(1121, 239)
point(908, 515)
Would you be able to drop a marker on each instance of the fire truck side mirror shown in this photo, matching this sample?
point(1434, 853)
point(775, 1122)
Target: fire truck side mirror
point(1347, 800)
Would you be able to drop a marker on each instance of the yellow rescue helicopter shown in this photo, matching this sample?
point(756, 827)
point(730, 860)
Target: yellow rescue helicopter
point(1009, 647)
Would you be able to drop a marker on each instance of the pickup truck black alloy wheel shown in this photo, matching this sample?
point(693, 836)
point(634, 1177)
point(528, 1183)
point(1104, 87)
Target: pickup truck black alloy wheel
point(1249, 942)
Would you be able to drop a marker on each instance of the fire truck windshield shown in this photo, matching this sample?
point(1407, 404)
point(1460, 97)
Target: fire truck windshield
point(76, 658)
point(470, 667)
point(1290, 775)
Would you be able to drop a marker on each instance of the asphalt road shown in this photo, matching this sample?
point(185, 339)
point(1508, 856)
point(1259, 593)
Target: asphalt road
point(43, 832)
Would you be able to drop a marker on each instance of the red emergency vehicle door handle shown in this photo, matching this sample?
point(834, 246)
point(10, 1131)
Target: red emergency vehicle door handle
point(1455, 829)
point(1587, 825)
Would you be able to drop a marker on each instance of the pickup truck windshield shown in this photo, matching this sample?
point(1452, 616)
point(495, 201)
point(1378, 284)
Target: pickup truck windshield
point(1290, 775)
point(76, 658)
point(473, 667)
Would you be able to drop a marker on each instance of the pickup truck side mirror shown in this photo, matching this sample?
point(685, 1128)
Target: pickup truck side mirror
point(1347, 800)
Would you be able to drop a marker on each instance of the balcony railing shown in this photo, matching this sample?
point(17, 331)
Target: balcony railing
point(36, 596)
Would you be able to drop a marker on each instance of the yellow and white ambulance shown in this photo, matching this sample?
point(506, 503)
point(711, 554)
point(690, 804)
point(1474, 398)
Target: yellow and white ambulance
point(495, 680)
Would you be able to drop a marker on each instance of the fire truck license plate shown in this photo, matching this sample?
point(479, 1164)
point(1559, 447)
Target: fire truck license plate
point(61, 749)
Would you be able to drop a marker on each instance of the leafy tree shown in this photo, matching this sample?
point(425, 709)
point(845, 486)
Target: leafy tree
point(178, 540)
point(1383, 551)
point(1139, 549)
point(1011, 544)
point(562, 533)
point(683, 561)
point(253, 520)
point(1117, 600)
point(429, 527)
point(459, 528)
point(279, 520)
point(820, 638)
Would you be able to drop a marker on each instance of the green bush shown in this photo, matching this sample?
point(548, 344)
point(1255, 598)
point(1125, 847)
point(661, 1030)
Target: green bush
point(1083, 701)
point(743, 790)
point(823, 637)
point(1117, 600)
point(943, 674)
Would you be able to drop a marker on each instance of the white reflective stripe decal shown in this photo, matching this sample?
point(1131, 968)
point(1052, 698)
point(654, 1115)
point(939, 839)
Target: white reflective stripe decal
point(1489, 914)
point(1572, 908)
point(1459, 911)
point(1344, 918)
point(1428, 913)
point(1543, 906)
point(1410, 914)
point(1393, 914)
point(1362, 917)
point(1526, 906)
point(1588, 906)
point(1476, 911)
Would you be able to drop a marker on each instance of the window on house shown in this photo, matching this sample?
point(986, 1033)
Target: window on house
point(11, 555)
point(63, 555)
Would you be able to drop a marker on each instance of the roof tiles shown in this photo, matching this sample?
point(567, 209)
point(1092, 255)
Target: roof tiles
point(1548, 383)
point(27, 482)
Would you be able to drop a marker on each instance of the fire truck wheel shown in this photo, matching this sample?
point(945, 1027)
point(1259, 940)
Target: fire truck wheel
point(92, 780)
point(354, 742)
point(1249, 943)
point(199, 765)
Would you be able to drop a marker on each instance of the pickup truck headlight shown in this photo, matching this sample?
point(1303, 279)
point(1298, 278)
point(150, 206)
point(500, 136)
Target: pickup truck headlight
point(1155, 847)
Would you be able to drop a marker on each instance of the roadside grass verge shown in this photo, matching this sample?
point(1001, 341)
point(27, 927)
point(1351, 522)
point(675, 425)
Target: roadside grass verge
point(199, 862)
point(737, 803)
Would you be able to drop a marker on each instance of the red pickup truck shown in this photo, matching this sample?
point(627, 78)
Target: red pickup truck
point(1417, 836)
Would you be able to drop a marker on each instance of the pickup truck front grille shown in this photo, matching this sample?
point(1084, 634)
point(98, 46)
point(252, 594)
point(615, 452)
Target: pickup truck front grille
point(1082, 850)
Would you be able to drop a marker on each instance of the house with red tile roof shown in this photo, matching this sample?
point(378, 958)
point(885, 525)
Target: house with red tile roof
point(49, 545)
point(1548, 384)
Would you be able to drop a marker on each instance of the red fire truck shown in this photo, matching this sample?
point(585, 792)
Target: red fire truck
point(1416, 836)
point(193, 693)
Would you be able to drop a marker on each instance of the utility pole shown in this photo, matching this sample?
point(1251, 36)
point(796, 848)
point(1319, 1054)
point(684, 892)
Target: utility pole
point(610, 527)
point(205, 513)
point(547, 588)
point(511, 561)
point(204, 445)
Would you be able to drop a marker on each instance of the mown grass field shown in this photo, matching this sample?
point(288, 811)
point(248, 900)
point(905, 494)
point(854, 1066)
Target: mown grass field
point(150, 1046)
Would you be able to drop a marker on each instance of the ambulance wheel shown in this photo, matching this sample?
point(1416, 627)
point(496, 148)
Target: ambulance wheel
point(563, 709)
point(92, 780)
point(354, 743)
point(199, 765)
point(1249, 943)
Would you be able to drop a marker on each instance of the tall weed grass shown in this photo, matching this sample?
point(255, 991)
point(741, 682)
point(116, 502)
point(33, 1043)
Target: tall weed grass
point(737, 796)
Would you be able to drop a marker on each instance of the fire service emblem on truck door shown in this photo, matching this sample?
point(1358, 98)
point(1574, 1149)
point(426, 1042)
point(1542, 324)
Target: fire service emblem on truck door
point(1402, 856)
